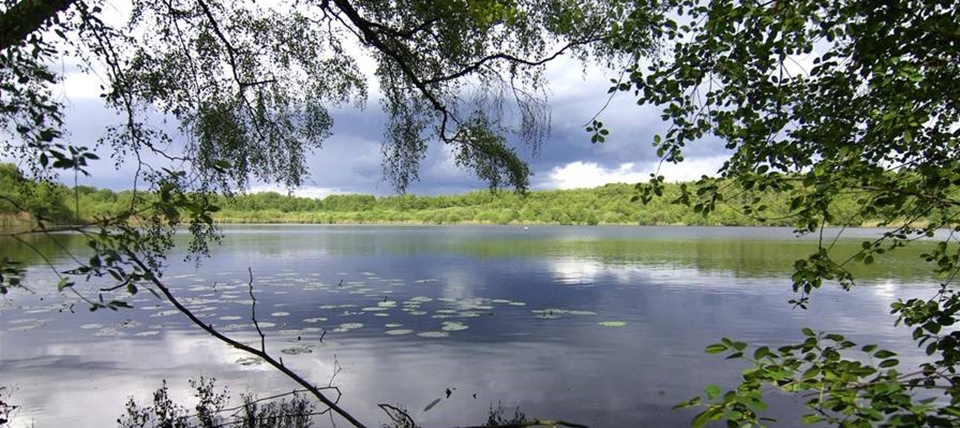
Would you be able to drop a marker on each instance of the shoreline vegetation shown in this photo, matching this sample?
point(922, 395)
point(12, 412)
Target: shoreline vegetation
point(23, 200)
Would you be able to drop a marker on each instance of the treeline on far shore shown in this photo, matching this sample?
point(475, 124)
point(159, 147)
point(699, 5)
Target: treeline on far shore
point(609, 204)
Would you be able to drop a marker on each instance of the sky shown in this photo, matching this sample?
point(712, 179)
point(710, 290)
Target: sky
point(350, 160)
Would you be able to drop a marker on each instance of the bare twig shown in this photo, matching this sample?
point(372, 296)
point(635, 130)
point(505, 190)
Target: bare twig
point(253, 312)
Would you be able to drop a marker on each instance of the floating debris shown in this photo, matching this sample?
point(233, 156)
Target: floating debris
point(430, 406)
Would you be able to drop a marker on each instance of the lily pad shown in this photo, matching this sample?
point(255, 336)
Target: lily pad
point(249, 361)
point(434, 334)
point(296, 350)
point(612, 323)
point(351, 325)
point(453, 326)
point(398, 332)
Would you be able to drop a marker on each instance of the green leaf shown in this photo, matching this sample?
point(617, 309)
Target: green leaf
point(712, 391)
point(761, 352)
point(716, 348)
point(695, 401)
point(706, 416)
point(888, 363)
point(883, 354)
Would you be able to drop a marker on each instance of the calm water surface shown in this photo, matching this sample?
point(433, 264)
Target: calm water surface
point(602, 325)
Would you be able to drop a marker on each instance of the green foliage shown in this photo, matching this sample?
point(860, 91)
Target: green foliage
point(859, 390)
point(823, 100)
point(609, 204)
point(36, 200)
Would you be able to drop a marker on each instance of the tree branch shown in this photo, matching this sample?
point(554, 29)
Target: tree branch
point(505, 56)
point(149, 276)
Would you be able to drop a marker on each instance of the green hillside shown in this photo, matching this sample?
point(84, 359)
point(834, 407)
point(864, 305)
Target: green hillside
point(22, 199)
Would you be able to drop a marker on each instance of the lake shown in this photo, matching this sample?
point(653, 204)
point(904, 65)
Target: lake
point(603, 326)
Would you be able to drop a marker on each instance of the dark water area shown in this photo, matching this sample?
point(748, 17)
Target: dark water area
point(604, 326)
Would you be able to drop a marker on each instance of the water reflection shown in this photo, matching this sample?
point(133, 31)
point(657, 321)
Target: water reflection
point(509, 315)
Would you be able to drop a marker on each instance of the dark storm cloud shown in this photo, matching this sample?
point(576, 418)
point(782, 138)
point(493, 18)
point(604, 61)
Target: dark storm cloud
point(350, 160)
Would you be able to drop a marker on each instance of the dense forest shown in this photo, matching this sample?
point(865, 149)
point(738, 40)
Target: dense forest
point(21, 199)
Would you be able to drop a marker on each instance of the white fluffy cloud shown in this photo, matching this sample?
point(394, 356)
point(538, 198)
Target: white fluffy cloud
point(303, 192)
point(579, 174)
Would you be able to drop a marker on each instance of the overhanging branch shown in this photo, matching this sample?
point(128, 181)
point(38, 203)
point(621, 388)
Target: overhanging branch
point(26, 17)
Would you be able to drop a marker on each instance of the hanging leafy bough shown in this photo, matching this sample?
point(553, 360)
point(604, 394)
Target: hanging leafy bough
point(824, 98)
point(250, 87)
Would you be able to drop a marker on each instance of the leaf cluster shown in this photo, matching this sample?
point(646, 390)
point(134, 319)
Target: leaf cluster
point(820, 99)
